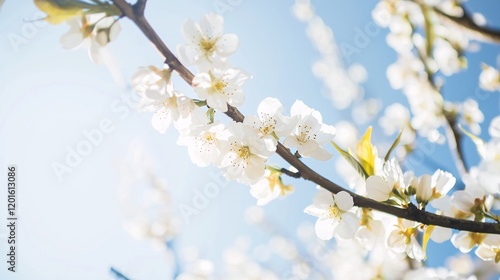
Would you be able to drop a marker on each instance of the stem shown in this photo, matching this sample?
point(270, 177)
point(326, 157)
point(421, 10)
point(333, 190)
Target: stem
point(117, 274)
point(466, 23)
point(410, 213)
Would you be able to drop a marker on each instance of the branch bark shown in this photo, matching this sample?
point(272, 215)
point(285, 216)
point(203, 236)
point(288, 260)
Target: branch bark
point(410, 213)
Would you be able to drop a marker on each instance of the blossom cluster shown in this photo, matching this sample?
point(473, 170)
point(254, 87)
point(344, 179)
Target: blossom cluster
point(428, 46)
point(240, 149)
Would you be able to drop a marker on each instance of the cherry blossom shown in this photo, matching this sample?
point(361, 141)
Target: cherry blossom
point(207, 44)
point(93, 31)
point(270, 121)
point(310, 133)
point(205, 143)
point(489, 250)
point(269, 188)
point(333, 215)
point(403, 239)
point(221, 87)
point(168, 108)
point(245, 154)
point(489, 79)
point(152, 79)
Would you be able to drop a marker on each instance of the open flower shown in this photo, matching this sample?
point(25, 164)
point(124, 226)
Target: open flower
point(333, 215)
point(207, 45)
point(221, 87)
point(310, 133)
point(380, 187)
point(169, 107)
point(245, 154)
point(270, 121)
point(489, 79)
point(205, 143)
point(489, 250)
point(93, 31)
point(403, 239)
point(269, 188)
point(151, 79)
point(465, 241)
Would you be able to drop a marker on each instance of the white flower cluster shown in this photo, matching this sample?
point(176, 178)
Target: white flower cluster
point(419, 58)
point(240, 149)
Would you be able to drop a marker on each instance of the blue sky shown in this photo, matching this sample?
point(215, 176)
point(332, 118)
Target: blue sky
point(72, 229)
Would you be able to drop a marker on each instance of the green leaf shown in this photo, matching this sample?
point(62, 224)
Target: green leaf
point(210, 114)
point(200, 103)
point(352, 161)
point(480, 145)
point(365, 153)
point(393, 146)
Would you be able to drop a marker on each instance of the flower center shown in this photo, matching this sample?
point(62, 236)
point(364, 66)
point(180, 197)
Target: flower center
point(304, 134)
point(209, 137)
point(207, 45)
point(334, 212)
point(244, 152)
point(219, 86)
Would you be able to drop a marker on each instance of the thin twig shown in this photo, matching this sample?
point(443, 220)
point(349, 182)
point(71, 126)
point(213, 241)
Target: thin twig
point(290, 173)
point(117, 274)
point(410, 213)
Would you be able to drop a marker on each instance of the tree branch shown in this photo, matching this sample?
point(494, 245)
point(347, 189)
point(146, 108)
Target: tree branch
point(466, 23)
point(410, 213)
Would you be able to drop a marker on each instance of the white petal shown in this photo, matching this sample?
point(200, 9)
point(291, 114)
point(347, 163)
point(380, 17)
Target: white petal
point(324, 228)
point(212, 25)
point(486, 254)
point(191, 32)
point(227, 44)
point(161, 121)
point(256, 166)
point(441, 234)
point(378, 188)
point(347, 226)
point(71, 40)
point(344, 201)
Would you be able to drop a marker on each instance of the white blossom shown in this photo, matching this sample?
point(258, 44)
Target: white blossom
point(310, 133)
point(403, 239)
point(270, 122)
point(333, 215)
point(269, 188)
point(245, 154)
point(221, 87)
point(207, 45)
point(489, 250)
point(93, 31)
point(205, 143)
point(168, 108)
point(489, 79)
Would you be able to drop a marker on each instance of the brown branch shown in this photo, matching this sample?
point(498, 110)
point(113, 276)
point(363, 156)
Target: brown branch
point(466, 23)
point(410, 213)
point(454, 139)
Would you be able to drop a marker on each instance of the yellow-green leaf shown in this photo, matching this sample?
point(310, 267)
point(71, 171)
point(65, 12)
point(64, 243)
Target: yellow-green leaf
point(352, 161)
point(480, 145)
point(58, 12)
point(393, 146)
point(425, 239)
point(365, 152)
